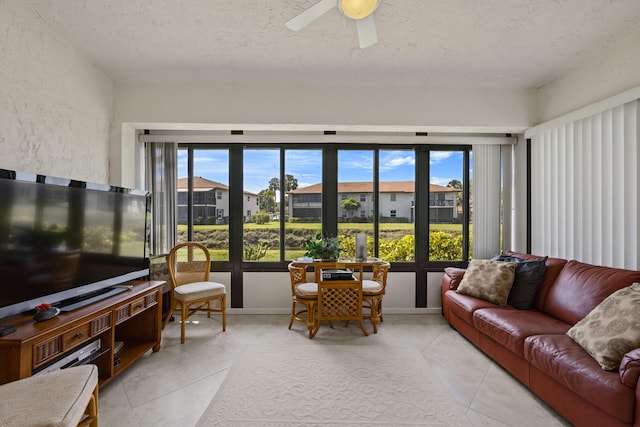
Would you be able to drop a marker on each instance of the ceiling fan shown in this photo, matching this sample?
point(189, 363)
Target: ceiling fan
point(360, 11)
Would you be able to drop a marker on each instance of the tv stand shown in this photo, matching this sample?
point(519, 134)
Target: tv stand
point(133, 317)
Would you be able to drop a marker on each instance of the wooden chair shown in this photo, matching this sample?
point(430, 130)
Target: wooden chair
point(189, 265)
point(340, 299)
point(304, 294)
point(372, 292)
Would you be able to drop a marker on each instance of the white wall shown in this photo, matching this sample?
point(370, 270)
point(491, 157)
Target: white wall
point(271, 293)
point(55, 106)
point(602, 76)
point(196, 106)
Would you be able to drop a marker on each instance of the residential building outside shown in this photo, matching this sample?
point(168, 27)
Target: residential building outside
point(397, 202)
point(211, 202)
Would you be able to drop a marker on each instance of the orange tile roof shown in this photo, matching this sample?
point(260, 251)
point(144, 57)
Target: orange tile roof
point(201, 184)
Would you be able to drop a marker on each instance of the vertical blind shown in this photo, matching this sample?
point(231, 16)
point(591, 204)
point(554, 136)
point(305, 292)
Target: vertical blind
point(161, 178)
point(585, 193)
point(486, 200)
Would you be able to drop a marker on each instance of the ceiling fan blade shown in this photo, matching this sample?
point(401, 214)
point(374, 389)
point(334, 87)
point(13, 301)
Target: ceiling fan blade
point(367, 32)
point(300, 21)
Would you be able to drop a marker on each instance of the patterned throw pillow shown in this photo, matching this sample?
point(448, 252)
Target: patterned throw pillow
point(488, 280)
point(612, 328)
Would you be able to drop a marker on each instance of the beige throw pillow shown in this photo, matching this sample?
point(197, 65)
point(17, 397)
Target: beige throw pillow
point(488, 280)
point(612, 328)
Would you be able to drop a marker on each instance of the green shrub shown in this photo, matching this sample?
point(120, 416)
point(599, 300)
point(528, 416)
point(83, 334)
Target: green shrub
point(398, 250)
point(445, 246)
point(260, 218)
point(255, 252)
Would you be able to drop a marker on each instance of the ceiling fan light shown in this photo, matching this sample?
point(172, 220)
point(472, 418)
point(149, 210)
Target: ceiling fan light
point(358, 9)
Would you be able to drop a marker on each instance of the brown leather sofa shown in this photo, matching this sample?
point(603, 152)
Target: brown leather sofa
point(533, 346)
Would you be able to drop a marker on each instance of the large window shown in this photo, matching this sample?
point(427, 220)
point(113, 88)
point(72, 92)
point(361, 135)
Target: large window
point(397, 192)
point(303, 199)
point(355, 199)
point(203, 199)
point(261, 235)
point(446, 217)
point(285, 196)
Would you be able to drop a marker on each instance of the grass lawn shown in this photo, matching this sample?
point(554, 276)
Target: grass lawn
point(318, 226)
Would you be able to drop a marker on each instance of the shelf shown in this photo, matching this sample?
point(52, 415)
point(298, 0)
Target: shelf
point(133, 316)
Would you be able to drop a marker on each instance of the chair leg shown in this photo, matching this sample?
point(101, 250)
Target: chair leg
point(90, 418)
point(374, 315)
point(311, 319)
point(183, 321)
point(364, 331)
point(172, 307)
point(223, 306)
point(93, 408)
point(293, 313)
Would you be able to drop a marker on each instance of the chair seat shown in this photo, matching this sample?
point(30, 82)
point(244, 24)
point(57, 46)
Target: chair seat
point(198, 290)
point(371, 286)
point(307, 290)
point(53, 399)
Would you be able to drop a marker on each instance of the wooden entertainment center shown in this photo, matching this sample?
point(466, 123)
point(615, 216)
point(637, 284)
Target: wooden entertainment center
point(133, 319)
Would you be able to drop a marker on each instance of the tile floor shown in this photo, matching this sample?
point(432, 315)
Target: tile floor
point(174, 386)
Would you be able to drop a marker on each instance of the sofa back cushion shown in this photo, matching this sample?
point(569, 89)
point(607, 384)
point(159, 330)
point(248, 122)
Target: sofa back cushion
point(580, 287)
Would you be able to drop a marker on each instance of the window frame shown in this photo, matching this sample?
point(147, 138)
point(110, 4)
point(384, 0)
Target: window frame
point(236, 265)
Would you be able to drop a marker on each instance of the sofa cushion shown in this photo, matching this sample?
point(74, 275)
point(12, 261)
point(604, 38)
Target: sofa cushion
point(488, 280)
point(510, 327)
point(463, 306)
point(560, 358)
point(580, 287)
point(527, 280)
point(611, 329)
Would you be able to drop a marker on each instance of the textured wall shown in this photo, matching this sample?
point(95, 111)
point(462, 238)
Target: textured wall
point(602, 76)
point(55, 107)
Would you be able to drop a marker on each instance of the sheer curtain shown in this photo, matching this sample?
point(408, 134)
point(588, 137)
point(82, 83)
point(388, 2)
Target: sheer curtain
point(162, 178)
point(585, 188)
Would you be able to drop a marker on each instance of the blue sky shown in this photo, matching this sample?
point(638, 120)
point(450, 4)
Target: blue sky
point(353, 165)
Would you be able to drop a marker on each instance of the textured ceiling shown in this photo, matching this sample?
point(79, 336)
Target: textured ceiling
point(461, 43)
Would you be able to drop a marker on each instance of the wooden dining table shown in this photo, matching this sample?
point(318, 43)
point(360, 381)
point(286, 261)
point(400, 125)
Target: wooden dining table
point(339, 289)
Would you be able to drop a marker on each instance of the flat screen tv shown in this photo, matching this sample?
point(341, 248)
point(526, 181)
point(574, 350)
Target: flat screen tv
point(63, 240)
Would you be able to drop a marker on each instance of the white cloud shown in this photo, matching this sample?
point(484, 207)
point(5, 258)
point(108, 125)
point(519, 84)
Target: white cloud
point(401, 161)
point(440, 181)
point(438, 156)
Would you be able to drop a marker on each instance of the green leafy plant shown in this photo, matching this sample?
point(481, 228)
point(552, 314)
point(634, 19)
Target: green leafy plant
point(255, 252)
point(323, 247)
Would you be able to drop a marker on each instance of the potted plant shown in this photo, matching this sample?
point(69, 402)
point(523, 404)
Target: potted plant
point(323, 248)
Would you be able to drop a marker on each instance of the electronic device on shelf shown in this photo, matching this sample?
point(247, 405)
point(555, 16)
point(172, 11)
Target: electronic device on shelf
point(337, 274)
point(81, 356)
point(7, 329)
point(63, 240)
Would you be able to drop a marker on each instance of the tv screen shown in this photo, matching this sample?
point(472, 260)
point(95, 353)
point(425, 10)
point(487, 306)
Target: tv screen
point(62, 239)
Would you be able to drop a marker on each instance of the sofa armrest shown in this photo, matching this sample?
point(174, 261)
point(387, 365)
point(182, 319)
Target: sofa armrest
point(451, 278)
point(630, 368)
